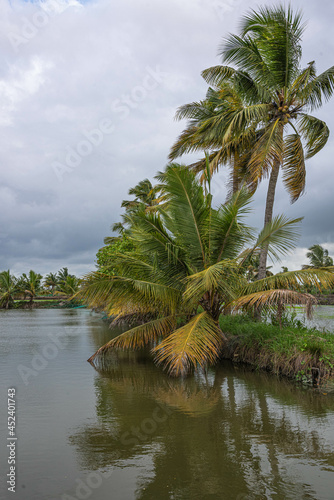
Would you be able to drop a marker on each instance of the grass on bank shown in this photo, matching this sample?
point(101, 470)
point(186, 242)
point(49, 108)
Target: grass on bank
point(294, 351)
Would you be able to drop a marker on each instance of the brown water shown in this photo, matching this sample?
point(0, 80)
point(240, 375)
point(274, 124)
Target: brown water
point(129, 432)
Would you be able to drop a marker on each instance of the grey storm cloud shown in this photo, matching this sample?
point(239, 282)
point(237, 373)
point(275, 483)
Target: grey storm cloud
point(88, 94)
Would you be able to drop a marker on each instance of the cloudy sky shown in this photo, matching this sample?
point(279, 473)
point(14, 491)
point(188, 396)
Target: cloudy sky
point(88, 94)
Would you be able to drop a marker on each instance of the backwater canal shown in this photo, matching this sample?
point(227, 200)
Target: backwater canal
point(128, 432)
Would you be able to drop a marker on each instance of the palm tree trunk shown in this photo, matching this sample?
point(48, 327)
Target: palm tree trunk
point(235, 173)
point(31, 301)
point(268, 216)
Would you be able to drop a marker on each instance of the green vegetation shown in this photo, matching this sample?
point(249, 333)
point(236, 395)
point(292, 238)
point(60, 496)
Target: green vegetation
point(25, 290)
point(255, 116)
point(189, 266)
point(318, 257)
point(30, 285)
point(295, 351)
point(106, 255)
point(8, 289)
point(180, 268)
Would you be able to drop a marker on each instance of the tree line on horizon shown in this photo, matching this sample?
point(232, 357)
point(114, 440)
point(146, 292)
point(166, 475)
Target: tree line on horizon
point(31, 285)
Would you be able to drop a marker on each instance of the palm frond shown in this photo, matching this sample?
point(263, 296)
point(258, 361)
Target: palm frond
point(244, 53)
point(115, 293)
point(197, 343)
point(281, 234)
point(189, 141)
point(222, 277)
point(217, 74)
point(268, 300)
point(296, 89)
point(246, 117)
point(228, 232)
point(315, 133)
point(318, 89)
point(152, 237)
point(276, 32)
point(322, 278)
point(187, 207)
point(194, 110)
point(138, 337)
point(294, 172)
point(267, 152)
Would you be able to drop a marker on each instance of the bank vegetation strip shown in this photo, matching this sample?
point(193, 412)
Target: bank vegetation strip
point(294, 351)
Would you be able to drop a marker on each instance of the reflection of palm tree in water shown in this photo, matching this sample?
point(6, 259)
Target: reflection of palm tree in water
point(218, 451)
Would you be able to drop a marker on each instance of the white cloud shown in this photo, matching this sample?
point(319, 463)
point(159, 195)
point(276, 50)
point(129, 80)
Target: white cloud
point(20, 84)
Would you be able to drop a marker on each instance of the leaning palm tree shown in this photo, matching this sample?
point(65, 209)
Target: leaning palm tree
point(318, 257)
point(8, 289)
point(277, 97)
point(188, 267)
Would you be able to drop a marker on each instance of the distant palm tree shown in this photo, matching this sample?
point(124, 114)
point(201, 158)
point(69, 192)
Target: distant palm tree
point(144, 193)
point(145, 199)
point(8, 289)
point(51, 280)
point(318, 257)
point(63, 274)
point(68, 287)
point(31, 285)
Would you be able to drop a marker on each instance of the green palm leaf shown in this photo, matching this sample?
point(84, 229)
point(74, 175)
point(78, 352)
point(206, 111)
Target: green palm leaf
point(222, 277)
point(269, 299)
point(315, 132)
point(294, 280)
point(280, 234)
point(319, 88)
point(188, 210)
point(138, 337)
point(294, 172)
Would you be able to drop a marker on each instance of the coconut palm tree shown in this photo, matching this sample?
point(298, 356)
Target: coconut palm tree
point(188, 267)
point(277, 97)
point(201, 134)
point(318, 257)
point(62, 274)
point(144, 192)
point(31, 285)
point(51, 280)
point(8, 289)
point(145, 197)
point(68, 287)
